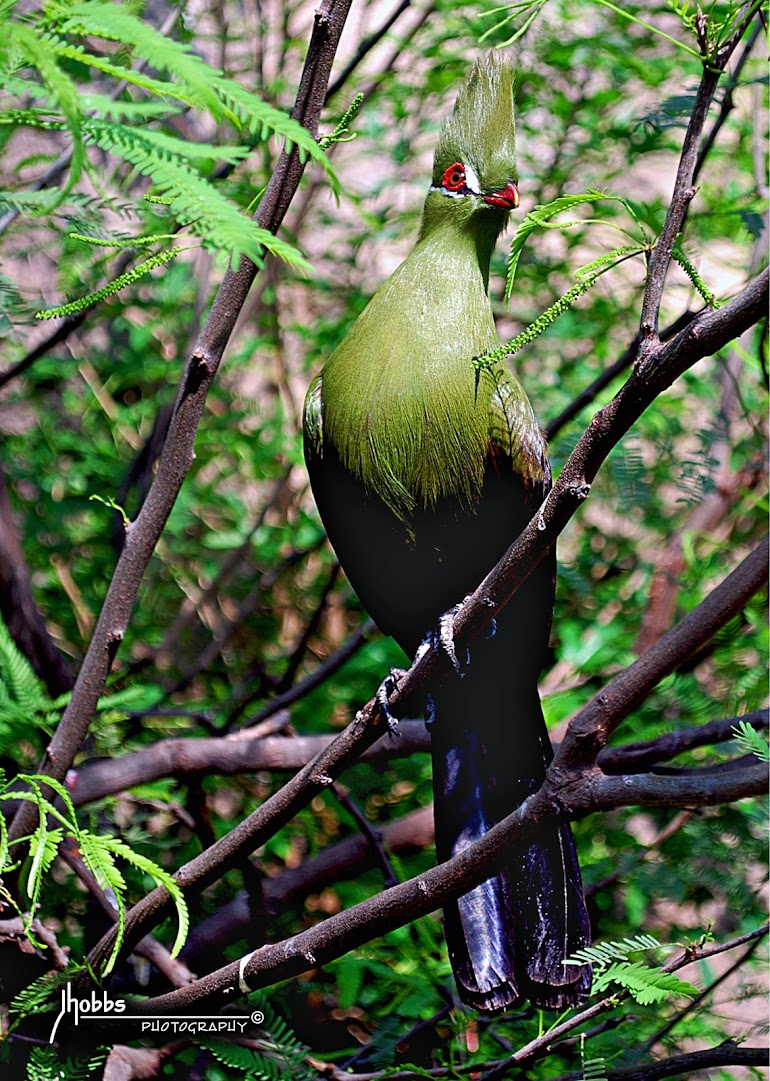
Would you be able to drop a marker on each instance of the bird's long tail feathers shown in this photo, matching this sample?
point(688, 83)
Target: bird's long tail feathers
point(508, 937)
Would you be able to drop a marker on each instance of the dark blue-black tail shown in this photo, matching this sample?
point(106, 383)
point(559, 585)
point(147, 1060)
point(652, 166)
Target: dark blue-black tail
point(508, 937)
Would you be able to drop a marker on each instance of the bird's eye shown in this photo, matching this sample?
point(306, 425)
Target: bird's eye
point(454, 177)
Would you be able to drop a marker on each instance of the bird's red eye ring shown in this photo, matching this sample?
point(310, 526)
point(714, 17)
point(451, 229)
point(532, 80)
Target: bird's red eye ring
point(454, 177)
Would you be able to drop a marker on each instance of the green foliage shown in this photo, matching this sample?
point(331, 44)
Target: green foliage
point(692, 273)
point(751, 742)
point(98, 853)
point(23, 699)
point(39, 60)
point(645, 984)
point(235, 605)
point(129, 278)
point(540, 218)
point(45, 1064)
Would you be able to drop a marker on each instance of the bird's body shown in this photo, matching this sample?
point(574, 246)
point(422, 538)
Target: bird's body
point(424, 472)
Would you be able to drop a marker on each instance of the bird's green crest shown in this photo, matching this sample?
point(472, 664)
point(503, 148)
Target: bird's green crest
point(481, 131)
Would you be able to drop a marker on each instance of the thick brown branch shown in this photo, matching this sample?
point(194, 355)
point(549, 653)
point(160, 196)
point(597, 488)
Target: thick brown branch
point(242, 753)
point(726, 1054)
point(174, 462)
point(410, 900)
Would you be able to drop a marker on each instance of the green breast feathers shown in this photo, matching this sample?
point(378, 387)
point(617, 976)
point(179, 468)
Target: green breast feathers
point(399, 400)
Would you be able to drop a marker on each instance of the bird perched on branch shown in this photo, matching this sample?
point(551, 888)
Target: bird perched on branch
point(424, 471)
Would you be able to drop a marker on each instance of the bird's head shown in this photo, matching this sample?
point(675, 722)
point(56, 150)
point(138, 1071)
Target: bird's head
point(474, 170)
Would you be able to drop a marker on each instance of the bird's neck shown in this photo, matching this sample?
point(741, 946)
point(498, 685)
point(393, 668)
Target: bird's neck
point(475, 235)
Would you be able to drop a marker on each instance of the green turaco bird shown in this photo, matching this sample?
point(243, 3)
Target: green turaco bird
point(423, 476)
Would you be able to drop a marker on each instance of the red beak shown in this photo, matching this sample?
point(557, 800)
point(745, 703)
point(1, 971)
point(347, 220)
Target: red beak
point(506, 198)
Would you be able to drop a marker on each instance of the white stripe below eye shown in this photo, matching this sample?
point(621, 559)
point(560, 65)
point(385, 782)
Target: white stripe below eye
point(446, 191)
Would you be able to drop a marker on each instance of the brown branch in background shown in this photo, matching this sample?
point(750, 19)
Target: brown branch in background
point(624, 361)
point(365, 47)
point(314, 679)
point(142, 534)
point(138, 476)
point(246, 609)
point(341, 861)
point(16, 928)
point(637, 757)
point(226, 755)
point(19, 612)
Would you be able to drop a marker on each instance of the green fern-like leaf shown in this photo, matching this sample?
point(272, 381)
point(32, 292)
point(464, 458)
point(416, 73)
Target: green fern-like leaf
point(167, 91)
point(40, 995)
point(23, 699)
point(45, 1065)
point(646, 985)
point(594, 1069)
point(604, 953)
point(259, 117)
point(162, 878)
point(60, 86)
point(114, 22)
point(539, 218)
point(194, 201)
point(751, 742)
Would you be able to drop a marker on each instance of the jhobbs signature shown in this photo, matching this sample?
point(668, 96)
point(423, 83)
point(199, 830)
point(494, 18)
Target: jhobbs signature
point(95, 1005)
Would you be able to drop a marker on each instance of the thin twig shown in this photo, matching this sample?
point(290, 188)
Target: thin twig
point(637, 757)
point(373, 836)
point(696, 1001)
point(314, 679)
point(365, 47)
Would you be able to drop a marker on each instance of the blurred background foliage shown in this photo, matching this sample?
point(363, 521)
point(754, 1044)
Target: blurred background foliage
point(242, 599)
